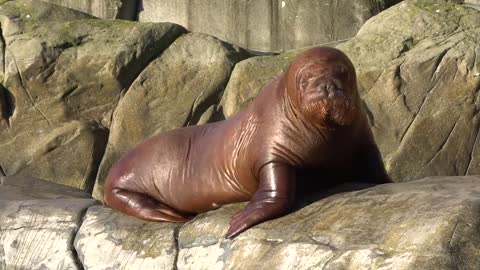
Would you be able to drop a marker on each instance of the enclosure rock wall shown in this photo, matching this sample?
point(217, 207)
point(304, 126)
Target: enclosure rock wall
point(262, 25)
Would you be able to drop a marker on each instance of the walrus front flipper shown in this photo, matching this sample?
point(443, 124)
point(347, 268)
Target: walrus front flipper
point(273, 198)
point(142, 206)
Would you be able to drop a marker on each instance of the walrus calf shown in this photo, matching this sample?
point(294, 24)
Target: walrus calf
point(306, 128)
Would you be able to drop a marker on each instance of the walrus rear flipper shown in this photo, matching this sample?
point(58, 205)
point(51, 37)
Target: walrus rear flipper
point(142, 206)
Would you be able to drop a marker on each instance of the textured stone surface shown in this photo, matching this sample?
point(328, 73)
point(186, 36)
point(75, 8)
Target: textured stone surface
point(38, 221)
point(62, 75)
point(427, 224)
point(267, 25)
point(18, 16)
point(418, 67)
point(106, 9)
point(472, 2)
point(249, 77)
point(108, 239)
point(173, 91)
point(67, 154)
point(46, 63)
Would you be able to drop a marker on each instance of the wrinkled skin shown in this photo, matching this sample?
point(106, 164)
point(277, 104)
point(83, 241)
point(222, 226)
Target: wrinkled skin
point(306, 129)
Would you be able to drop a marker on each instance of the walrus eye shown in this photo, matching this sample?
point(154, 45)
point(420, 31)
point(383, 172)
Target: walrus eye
point(341, 70)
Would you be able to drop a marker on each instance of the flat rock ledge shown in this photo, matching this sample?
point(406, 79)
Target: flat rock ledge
point(426, 224)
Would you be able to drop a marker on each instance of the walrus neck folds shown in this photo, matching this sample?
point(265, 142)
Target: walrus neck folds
point(310, 131)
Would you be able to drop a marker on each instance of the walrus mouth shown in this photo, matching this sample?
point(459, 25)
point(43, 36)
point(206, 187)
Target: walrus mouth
point(331, 104)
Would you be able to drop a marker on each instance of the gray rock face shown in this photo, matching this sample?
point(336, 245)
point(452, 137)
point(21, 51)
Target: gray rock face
point(38, 221)
point(175, 90)
point(266, 25)
point(106, 9)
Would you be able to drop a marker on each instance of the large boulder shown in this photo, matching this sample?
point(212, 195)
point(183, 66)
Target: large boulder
point(63, 73)
point(59, 67)
point(68, 153)
point(418, 73)
point(267, 25)
point(38, 222)
point(427, 224)
point(175, 90)
point(131, 243)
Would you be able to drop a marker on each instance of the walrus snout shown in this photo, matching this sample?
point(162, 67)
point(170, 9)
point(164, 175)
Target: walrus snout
point(325, 88)
point(331, 86)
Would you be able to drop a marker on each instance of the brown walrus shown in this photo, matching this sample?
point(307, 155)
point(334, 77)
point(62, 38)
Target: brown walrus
point(306, 128)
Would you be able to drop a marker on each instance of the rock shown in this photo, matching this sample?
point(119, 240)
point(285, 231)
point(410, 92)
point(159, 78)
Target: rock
point(249, 77)
point(17, 16)
point(173, 91)
point(472, 2)
point(38, 221)
point(418, 67)
point(427, 224)
point(46, 63)
point(266, 25)
point(63, 77)
point(67, 154)
point(106, 9)
point(130, 242)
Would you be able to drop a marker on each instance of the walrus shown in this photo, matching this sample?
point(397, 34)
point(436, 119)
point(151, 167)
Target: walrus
point(305, 128)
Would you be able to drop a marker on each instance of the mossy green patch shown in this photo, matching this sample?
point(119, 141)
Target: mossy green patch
point(4, 1)
point(443, 8)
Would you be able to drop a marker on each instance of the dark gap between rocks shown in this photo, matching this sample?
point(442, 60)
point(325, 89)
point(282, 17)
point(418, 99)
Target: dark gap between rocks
point(7, 103)
point(2, 173)
point(128, 10)
point(100, 146)
point(71, 243)
point(7, 100)
point(176, 234)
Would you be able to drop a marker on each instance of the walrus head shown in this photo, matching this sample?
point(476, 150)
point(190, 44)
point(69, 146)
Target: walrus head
point(322, 83)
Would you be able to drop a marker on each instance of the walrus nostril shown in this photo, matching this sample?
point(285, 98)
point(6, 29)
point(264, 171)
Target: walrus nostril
point(331, 94)
point(322, 93)
point(331, 86)
point(322, 86)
